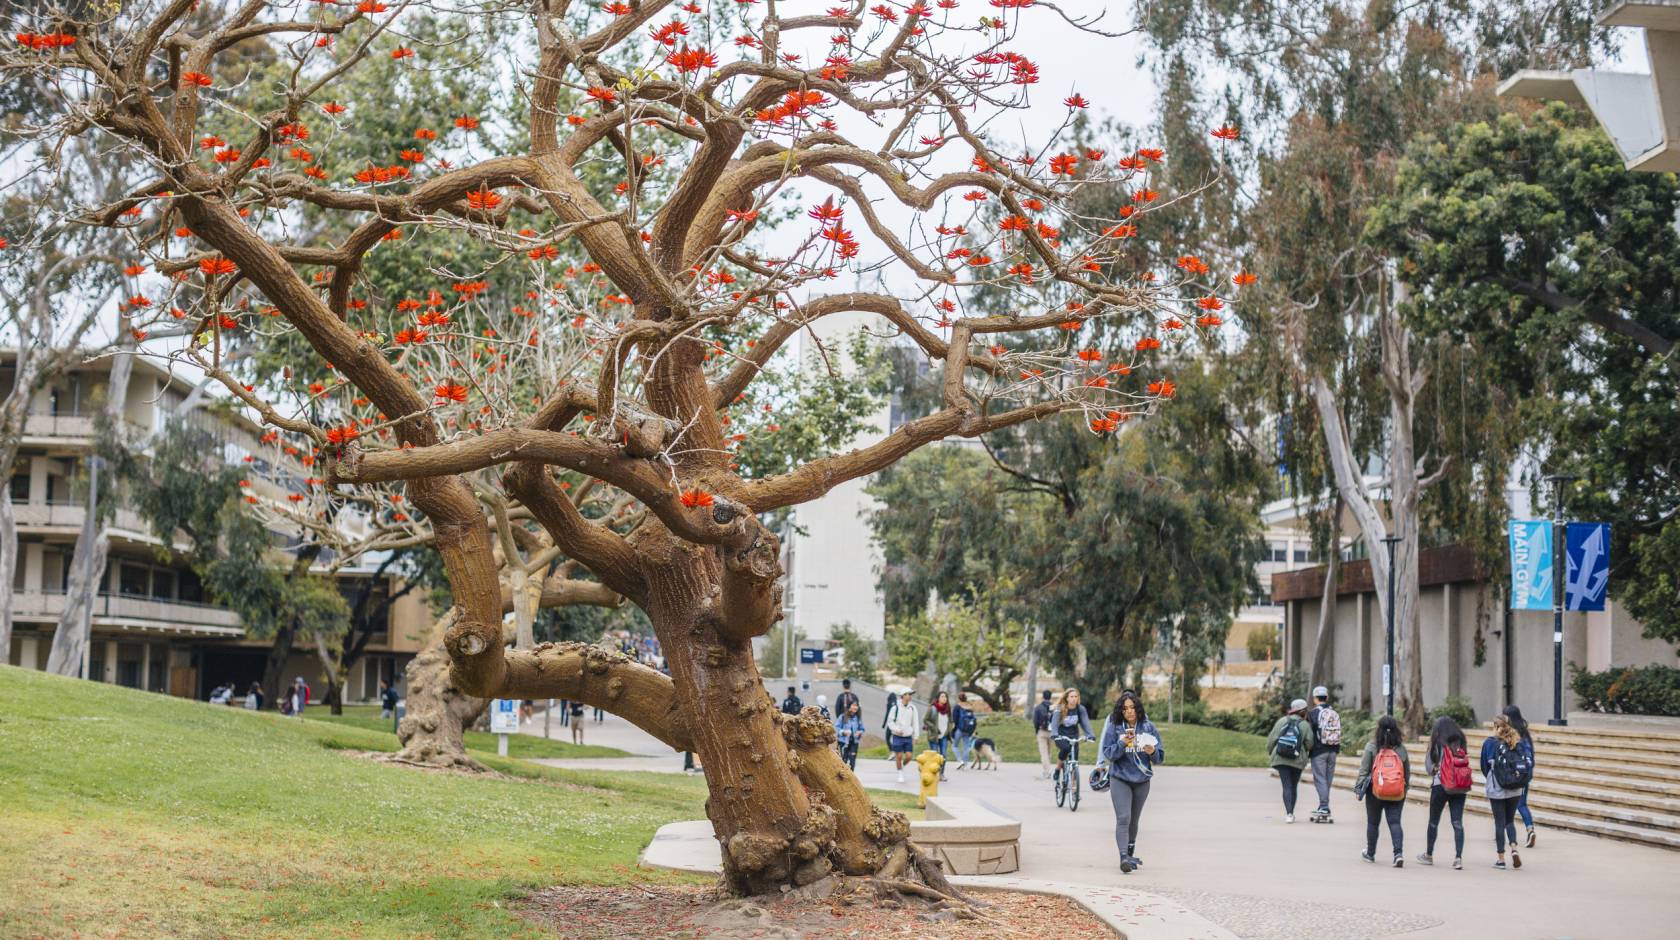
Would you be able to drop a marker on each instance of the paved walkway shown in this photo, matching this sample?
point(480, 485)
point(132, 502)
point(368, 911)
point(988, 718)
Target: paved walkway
point(1213, 840)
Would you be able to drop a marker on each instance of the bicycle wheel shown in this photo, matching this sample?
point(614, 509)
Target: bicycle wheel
point(1062, 787)
point(1073, 795)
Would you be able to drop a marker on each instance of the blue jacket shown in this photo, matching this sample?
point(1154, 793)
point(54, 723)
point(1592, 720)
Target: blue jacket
point(848, 730)
point(1131, 766)
point(1490, 750)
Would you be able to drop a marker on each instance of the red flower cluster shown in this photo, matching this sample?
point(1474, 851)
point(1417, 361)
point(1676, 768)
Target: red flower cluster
point(693, 498)
point(41, 41)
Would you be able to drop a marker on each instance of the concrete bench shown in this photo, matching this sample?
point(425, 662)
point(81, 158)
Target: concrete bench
point(967, 837)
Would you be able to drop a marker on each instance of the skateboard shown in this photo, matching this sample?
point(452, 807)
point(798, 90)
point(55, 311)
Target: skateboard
point(1324, 818)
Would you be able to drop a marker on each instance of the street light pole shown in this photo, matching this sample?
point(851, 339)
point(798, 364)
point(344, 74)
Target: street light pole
point(1388, 665)
point(1560, 568)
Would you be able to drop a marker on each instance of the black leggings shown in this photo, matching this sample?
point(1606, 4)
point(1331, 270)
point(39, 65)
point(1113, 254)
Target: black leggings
point(1374, 810)
point(1439, 799)
point(1291, 777)
point(1504, 812)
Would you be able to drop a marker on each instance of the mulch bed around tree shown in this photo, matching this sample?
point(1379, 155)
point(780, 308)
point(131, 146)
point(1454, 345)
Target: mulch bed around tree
point(825, 910)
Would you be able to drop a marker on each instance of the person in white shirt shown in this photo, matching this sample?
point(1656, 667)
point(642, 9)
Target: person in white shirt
point(902, 724)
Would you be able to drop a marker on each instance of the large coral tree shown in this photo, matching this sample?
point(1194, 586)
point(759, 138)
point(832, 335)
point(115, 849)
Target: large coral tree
point(710, 117)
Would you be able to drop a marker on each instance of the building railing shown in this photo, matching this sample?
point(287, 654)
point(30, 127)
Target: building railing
point(68, 513)
point(51, 603)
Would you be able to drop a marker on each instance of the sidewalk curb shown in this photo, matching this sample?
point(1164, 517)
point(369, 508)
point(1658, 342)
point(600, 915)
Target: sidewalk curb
point(1134, 915)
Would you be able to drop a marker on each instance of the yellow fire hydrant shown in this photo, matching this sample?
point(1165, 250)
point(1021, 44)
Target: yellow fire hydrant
point(931, 764)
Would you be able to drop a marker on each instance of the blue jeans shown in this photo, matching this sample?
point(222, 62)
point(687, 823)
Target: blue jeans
point(960, 745)
point(1522, 810)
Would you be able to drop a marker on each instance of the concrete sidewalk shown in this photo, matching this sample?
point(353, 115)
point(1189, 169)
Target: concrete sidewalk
point(1213, 841)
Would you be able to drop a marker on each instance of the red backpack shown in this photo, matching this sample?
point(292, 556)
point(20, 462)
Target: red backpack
point(1388, 776)
point(1455, 770)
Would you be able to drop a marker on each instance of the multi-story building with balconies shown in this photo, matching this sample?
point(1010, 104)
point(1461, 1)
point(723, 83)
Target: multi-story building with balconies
point(153, 626)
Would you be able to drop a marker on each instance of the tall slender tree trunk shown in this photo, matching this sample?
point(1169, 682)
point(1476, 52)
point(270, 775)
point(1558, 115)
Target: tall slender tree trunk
point(93, 545)
point(1327, 603)
point(1032, 665)
point(1404, 488)
point(8, 572)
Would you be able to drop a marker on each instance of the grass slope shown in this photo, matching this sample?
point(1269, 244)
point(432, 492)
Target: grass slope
point(1187, 745)
point(519, 745)
point(133, 814)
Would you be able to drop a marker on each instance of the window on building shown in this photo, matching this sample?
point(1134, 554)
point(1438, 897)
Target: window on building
point(134, 580)
point(1278, 551)
point(188, 588)
point(1302, 556)
point(163, 584)
point(20, 488)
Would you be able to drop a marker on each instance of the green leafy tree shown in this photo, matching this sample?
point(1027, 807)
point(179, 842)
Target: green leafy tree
point(178, 484)
point(860, 654)
point(970, 639)
point(1526, 240)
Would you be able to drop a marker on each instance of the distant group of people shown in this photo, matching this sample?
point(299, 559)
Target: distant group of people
point(293, 699)
point(949, 727)
point(1305, 737)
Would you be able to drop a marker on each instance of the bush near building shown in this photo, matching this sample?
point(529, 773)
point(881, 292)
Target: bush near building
point(1264, 643)
point(1646, 690)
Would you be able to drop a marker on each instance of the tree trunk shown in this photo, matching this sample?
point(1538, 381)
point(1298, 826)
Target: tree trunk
point(335, 688)
point(8, 572)
point(1326, 622)
point(1404, 488)
point(1032, 665)
point(93, 545)
point(433, 729)
point(274, 664)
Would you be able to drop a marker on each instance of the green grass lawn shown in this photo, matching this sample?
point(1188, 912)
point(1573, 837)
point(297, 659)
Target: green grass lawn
point(519, 745)
point(1187, 745)
point(134, 814)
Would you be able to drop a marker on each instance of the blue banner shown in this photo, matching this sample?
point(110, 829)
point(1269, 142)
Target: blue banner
point(1588, 544)
point(1531, 565)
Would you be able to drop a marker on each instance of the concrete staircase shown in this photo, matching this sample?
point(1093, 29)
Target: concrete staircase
point(1623, 783)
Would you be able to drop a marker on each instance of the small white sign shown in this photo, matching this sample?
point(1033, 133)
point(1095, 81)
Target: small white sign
point(504, 716)
point(1557, 636)
point(1386, 669)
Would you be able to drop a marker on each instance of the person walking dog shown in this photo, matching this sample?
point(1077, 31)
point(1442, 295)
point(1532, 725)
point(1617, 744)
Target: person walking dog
point(1290, 745)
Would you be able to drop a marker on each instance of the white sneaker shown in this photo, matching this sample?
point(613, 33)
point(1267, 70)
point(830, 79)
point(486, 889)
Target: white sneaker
point(1289, 817)
point(901, 776)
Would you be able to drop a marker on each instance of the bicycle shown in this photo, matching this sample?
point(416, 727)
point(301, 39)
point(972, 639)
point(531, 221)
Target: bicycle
point(1067, 775)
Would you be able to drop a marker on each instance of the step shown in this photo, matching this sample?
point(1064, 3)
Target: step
point(1645, 751)
point(1583, 777)
point(1564, 815)
point(1663, 729)
point(1575, 798)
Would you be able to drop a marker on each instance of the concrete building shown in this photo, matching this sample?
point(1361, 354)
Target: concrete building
point(1472, 645)
point(830, 556)
point(1288, 546)
point(153, 625)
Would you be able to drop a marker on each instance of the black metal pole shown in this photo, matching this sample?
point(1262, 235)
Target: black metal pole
point(1388, 664)
point(1560, 567)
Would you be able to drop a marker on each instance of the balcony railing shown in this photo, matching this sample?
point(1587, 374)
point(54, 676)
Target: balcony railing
point(128, 607)
point(59, 425)
point(63, 513)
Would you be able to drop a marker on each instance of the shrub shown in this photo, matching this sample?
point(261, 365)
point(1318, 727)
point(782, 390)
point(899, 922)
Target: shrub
point(1264, 643)
point(1456, 707)
point(1645, 690)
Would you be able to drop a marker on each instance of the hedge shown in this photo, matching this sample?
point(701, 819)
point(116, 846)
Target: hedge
point(1645, 690)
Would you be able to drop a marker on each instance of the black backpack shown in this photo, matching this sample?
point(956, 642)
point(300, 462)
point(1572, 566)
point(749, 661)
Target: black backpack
point(1289, 742)
point(1512, 769)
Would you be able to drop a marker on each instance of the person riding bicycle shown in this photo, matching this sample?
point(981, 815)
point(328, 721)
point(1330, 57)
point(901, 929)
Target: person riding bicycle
point(1067, 723)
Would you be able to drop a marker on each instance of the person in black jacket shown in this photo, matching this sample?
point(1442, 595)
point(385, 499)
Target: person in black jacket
point(791, 705)
point(1041, 729)
point(847, 698)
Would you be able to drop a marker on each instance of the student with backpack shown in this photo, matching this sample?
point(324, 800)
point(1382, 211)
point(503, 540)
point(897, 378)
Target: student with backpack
point(1290, 745)
point(1384, 772)
point(1507, 770)
point(966, 724)
point(1447, 764)
point(1516, 716)
point(1326, 750)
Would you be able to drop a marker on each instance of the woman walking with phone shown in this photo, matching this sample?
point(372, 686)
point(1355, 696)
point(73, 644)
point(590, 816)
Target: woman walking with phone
point(1131, 747)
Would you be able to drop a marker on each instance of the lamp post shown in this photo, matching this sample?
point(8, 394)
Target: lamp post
point(1560, 568)
point(1388, 664)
